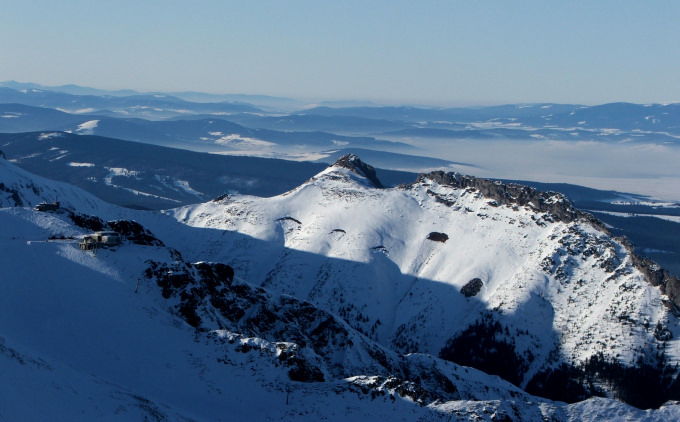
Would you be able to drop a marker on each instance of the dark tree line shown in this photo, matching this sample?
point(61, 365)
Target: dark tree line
point(646, 383)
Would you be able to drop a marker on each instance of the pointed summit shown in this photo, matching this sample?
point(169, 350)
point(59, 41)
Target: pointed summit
point(353, 163)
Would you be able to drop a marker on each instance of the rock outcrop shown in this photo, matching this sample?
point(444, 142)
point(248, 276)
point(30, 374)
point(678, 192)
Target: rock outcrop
point(353, 163)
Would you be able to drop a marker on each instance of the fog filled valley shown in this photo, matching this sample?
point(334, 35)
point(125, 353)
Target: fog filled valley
point(643, 168)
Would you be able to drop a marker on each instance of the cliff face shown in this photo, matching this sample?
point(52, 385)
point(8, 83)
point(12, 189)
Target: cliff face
point(353, 163)
point(556, 204)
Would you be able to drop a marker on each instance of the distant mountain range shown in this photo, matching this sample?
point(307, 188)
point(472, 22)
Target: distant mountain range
point(147, 105)
point(615, 121)
point(205, 133)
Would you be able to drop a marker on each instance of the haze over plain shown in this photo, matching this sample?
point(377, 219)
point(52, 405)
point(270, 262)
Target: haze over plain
point(436, 53)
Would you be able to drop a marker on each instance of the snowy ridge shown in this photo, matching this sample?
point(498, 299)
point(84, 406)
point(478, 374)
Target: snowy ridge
point(364, 254)
point(174, 333)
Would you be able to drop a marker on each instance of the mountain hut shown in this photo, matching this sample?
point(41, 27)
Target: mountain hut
point(108, 238)
point(46, 206)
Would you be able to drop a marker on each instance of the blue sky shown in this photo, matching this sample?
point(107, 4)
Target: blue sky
point(429, 52)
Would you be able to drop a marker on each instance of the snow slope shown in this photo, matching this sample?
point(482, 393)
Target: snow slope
point(86, 337)
point(364, 253)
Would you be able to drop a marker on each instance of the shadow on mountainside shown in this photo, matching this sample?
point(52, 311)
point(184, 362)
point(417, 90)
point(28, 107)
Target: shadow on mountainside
point(470, 334)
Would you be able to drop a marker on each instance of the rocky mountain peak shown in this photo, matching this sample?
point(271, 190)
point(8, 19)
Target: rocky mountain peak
point(559, 208)
point(556, 204)
point(353, 163)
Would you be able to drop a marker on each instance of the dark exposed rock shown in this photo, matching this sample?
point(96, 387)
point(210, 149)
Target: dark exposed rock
point(17, 199)
point(10, 353)
point(88, 222)
point(221, 197)
point(556, 204)
point(441, 200)
point(13, 195)
point(134, 232)
point(188, 311)
point(300, 368)
point(438, 237)
point(131, 230)
point(338, 231)
point(352, 162)
point(381, 248)
point(657, 276)
point(662, 333)
point(308, 339)
point(215, 274)
point(289, 219)
point(472, 287)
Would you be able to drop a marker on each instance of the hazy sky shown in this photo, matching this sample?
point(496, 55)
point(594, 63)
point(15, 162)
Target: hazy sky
point(420, 52)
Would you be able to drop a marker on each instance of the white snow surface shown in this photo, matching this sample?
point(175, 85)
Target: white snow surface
point(243, 143)
point(87, 128)
point(122, 172)
point(86, 337)
point(48, 135)
point(355, 244)
point(75, 164)
point(673, 218)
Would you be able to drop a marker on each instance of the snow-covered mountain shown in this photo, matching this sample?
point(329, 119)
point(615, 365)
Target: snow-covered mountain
point(268, 309)
point(416, 266)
